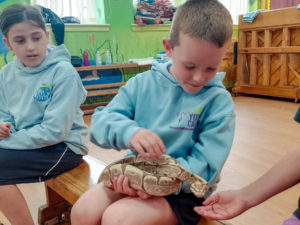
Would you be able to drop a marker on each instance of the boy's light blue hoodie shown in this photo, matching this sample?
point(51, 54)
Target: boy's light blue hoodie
point(197, 129)
point(42, 103)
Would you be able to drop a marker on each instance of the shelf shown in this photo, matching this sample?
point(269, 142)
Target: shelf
point(112, 66)
point(106, 89)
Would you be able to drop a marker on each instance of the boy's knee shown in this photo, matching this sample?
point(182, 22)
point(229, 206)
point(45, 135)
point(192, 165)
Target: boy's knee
point(116, 215)
point(75, 215)
point(80, 215)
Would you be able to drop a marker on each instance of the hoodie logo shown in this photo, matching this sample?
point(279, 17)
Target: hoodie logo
point(187, 120)
point(44, 93)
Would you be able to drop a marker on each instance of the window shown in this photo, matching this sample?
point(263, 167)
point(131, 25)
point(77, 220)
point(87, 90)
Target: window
point(177, 2)
point(85, 10)
point(235, 7)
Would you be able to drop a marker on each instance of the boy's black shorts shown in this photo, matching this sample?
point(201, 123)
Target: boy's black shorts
point(183, 206)
point(28, 166)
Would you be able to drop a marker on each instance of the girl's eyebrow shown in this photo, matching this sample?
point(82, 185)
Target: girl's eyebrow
point(18, 37)
point(37, 32)
point(22, 36)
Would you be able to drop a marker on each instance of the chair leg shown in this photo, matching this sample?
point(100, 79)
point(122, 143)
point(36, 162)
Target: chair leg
point(56, 209)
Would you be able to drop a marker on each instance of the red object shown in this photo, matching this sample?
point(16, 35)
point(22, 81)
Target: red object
point(86, 58)
point(276, 4)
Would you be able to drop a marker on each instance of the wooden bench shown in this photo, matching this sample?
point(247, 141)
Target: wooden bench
point(100, 90)
point(112, 88)
point(63, 191)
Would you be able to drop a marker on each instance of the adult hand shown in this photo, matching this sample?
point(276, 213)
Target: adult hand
point(145, 141)
point(4, 130)
point(222, 206)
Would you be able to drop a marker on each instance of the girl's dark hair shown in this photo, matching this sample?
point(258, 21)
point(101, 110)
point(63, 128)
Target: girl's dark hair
point(18, 13)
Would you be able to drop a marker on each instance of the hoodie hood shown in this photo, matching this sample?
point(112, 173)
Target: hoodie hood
point(54, 55)
point(42, 103)
point(163, 70)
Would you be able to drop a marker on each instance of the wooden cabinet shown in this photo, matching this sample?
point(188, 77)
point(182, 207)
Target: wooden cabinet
point(269, 54)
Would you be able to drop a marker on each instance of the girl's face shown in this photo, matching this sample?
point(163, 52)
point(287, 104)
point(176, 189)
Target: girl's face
point(28, 42)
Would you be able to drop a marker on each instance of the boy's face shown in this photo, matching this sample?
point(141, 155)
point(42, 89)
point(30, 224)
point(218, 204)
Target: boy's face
point(195, 61)
point(28, 42)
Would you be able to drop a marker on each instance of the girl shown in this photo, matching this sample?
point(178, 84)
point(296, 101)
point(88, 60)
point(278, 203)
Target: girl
point(42, 132)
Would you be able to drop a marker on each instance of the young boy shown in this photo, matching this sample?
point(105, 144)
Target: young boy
point(179, 108)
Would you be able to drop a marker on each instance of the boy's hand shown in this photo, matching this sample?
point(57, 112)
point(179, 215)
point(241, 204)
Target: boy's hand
point(4, 130)
point(145, 141)
point(121, 184)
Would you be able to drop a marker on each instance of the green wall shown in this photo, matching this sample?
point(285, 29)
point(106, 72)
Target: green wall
point(124, 39)
point(2, 6)
point(121, 40)
point(254, 5)
point(10, 2)
point(120, 36)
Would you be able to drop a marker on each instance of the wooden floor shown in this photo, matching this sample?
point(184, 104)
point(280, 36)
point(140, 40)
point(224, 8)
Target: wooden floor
point(265, 131)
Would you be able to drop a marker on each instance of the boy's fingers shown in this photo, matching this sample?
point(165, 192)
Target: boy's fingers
point(111, 186)
point(115, 184)
point(156, 143)
point(161, 145)
point(151, 146)
point(156, 150)
point(152, 153)
point(127, 188)
point(119, 184)
point(140, 150)
point(143, 195)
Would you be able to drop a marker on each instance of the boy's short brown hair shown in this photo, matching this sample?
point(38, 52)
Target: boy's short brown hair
point(205, 19)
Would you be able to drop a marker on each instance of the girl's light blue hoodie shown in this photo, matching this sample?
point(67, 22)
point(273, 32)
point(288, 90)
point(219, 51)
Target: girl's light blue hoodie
point(42, 103)
point(197, 129)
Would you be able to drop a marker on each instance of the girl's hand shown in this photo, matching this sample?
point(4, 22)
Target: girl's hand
point(4, 130)
point(145, 141)
point(222, 206)
point(121, 184)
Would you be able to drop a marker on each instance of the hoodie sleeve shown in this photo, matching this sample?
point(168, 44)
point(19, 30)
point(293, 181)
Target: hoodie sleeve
point(213, 140)
point(67, 96)
point(112, 126)
point(5, 117)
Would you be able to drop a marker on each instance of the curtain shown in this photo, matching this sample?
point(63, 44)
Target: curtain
point(84, 10)
point(236, 8)
point(275, 4)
